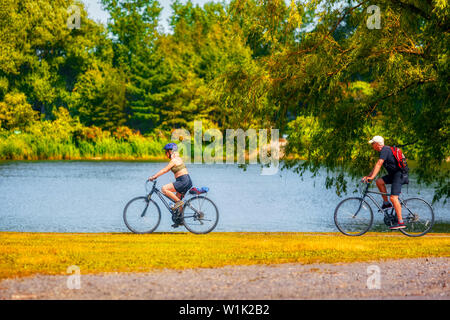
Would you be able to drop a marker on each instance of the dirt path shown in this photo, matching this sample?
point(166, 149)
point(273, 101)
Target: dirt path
point(424, 278)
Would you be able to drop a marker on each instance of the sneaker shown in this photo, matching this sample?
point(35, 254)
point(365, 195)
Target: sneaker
point(386, 206)
point(177, 222)
point(400, 225)
point(177, 205)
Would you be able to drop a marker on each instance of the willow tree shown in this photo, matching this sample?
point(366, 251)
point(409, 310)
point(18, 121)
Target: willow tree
point(362, 71)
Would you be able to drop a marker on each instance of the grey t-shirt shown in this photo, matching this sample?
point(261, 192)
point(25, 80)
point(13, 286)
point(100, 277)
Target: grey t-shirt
point(390, 163)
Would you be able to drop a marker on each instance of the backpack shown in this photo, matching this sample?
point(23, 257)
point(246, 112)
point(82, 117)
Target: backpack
point(195, 190)
point(401, 159)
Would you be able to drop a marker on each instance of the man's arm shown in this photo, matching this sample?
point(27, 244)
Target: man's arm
point(375, 170)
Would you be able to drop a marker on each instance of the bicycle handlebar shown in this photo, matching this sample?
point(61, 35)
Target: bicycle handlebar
point(367, 184)
point(146, 183)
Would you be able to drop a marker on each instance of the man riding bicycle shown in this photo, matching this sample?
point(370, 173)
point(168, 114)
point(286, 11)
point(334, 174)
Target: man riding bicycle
point(395, 178)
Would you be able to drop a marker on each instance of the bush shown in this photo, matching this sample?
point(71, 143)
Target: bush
point(124, 133)
point(16, 113)
point(91, 134)
point(66, 138)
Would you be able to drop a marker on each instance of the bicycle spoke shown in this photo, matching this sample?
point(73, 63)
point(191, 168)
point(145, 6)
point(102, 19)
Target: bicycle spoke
point(353, 216)
point(200, 215)
point(420, 217)
point(141, 216)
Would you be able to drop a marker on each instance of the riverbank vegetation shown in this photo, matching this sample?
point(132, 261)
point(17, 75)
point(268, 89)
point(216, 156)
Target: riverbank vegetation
point(66, 138)
point(25, 254)
point(329, 74)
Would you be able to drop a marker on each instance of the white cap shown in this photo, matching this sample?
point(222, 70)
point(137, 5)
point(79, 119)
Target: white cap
point(377, 139)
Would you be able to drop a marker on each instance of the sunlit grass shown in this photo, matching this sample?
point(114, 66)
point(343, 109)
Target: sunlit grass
point(23, 254)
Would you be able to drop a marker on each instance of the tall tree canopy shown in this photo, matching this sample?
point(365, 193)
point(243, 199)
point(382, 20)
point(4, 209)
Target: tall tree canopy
point(356, 82)
point(324, 72)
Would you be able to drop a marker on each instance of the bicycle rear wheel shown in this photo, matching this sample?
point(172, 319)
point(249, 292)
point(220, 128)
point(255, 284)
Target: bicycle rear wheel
point(200, 215)
point(353, 216)
point(418, 216)
point(141, 215)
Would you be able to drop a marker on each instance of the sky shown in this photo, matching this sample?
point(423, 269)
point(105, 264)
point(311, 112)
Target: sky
point(96, 12)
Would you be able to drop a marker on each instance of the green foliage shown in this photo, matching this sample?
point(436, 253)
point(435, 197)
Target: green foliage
point(311, 68)
point(40, 56)
point(66, 138)
point(99, 98)
point(16, 113)
point(356, 82)
point(133, 24)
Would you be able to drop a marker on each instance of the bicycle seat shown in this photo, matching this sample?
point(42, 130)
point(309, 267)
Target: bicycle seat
point(195, 190)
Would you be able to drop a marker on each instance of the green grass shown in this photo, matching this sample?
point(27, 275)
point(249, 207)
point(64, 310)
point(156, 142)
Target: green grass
point(441, 227)
point(29, 147)
point(24, 254)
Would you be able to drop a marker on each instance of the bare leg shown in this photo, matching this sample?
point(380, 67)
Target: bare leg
point(170, 191)
point(179, 195)
point(382, 187)
point(397, 207)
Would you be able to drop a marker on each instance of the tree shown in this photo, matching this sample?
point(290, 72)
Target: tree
point(206, 45)
point(134, 27)
point(357, 82)
point(99, 98)
point(40, 56)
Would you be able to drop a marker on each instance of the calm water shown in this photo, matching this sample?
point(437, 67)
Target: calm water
point(81, 196)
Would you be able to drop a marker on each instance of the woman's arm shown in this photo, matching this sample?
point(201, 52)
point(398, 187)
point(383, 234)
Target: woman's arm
point(162, 171)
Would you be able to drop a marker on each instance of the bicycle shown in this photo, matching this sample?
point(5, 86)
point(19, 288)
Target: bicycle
point(142, 214)
point(354, 217)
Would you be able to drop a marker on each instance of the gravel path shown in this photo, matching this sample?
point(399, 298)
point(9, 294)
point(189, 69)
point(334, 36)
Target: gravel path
point(424, 278)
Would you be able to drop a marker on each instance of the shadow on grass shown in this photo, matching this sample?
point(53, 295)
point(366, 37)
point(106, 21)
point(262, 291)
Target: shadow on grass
point(438, 227)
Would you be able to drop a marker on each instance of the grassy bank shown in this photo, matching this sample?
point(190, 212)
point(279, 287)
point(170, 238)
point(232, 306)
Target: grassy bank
point(26, 146)
point(24, 254)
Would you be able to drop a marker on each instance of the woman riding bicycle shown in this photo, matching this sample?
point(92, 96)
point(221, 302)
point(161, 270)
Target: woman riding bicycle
point(183, 183)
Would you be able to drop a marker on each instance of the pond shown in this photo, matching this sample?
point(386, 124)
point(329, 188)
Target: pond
point(89, 196)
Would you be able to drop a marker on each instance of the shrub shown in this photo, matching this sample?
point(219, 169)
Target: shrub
point(16, 112)
point(124, 133)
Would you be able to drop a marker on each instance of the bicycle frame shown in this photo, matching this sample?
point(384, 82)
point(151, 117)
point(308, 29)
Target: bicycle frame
point(166, 204)
point(161, 196)
point(367, 193)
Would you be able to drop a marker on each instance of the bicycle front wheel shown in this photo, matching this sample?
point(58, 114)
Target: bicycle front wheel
point(200, 215)
point(142, 215)
point(418, 217)
point(353, 216)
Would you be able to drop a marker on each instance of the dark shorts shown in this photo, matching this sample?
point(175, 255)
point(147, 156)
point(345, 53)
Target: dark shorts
point(183, 183)
point(396, 180)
